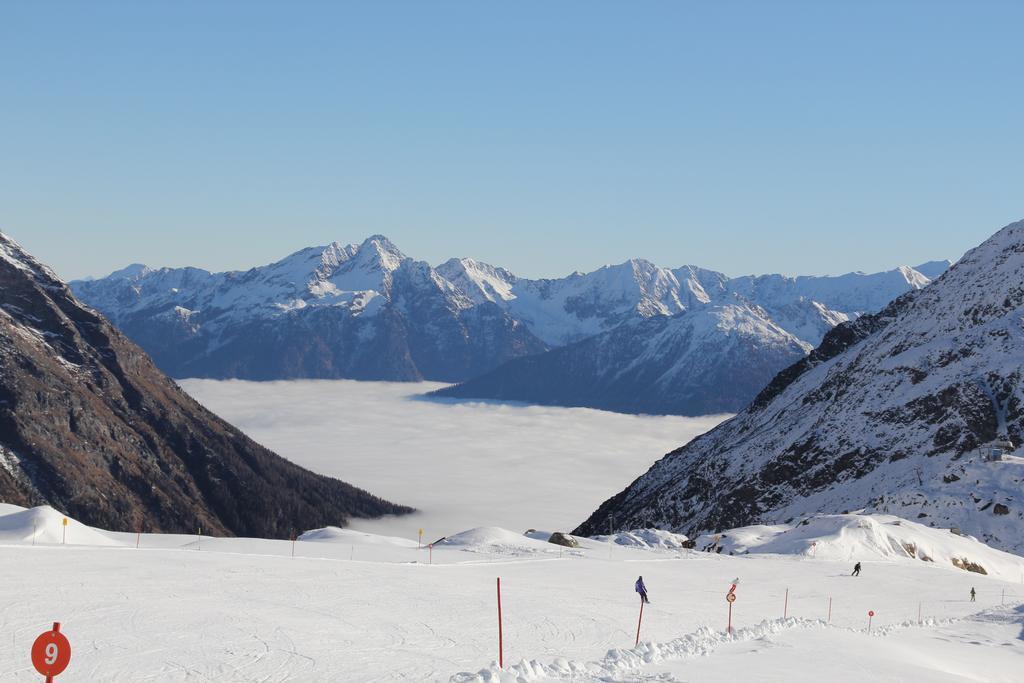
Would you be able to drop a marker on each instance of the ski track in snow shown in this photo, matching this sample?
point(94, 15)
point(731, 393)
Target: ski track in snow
point(702, 643)
point(245, 610)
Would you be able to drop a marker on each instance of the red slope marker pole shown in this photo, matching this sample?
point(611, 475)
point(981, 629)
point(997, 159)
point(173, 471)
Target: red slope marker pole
point(56, 629)
point(51, 653)
point(501, 642)
point(730, 598)
point(785, 607)
point(918, 614)
point(640, 620)
point(871, 615)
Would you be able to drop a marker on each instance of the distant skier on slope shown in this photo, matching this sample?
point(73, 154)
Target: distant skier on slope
point(856, 570)
point(973, 594)
point(642, 589)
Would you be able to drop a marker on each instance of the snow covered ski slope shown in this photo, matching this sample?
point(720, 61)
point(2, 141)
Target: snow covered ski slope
point(352, 606)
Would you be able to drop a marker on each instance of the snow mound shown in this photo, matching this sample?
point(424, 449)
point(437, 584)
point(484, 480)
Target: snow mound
point(853, 538)
point(19, 525)
point(497, 540)
point(657, 539)
point(333, 534)
point(626, 662)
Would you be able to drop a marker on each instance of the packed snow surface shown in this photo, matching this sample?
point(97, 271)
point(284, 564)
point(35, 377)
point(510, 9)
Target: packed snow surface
point(338, 605)
point(850, 538)
point(459, 463)
point(646, 538)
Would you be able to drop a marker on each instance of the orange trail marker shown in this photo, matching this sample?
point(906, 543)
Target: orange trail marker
point(51, 653)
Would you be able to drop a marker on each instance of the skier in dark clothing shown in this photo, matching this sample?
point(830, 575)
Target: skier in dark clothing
point(856, 570)
point(642, 589)
point(973, 594)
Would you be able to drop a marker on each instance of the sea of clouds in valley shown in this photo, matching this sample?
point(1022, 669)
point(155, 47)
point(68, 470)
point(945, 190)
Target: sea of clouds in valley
point(463, 464)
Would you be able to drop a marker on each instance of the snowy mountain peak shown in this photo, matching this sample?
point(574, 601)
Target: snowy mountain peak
point(914, 278)
point(889, 414)
point(131, 272)
point(88, 418)
point(367, 310)
point(383, 251)
point(14, 254)
point(478, 281)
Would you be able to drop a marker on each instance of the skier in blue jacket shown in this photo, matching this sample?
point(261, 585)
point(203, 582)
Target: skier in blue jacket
point(642, 589)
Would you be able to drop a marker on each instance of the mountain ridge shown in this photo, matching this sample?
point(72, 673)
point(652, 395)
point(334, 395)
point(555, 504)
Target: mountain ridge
point(886, 415)
point(88, 425)
point(368, 311)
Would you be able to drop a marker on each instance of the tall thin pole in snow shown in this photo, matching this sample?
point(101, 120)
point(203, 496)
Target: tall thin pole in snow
point(501, 641)
point(785, 607)
point(610, 532)
point(640, 620)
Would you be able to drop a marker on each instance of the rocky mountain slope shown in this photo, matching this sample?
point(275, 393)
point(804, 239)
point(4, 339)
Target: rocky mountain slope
point(886, 415)
point(90, 426)
point(369, 312)
point(713, 359)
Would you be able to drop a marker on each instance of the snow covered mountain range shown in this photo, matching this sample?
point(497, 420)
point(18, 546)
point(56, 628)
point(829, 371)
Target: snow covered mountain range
point(889, 414)
point(368, 311)
point(89, 425)
point(712, 359)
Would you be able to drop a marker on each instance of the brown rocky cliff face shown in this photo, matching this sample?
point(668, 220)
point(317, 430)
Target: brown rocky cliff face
point(90, 426)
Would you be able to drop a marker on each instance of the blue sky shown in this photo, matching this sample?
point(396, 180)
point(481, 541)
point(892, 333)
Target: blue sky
point(795, 137)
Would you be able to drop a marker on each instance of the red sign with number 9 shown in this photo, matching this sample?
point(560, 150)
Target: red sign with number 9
point(51, 653)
